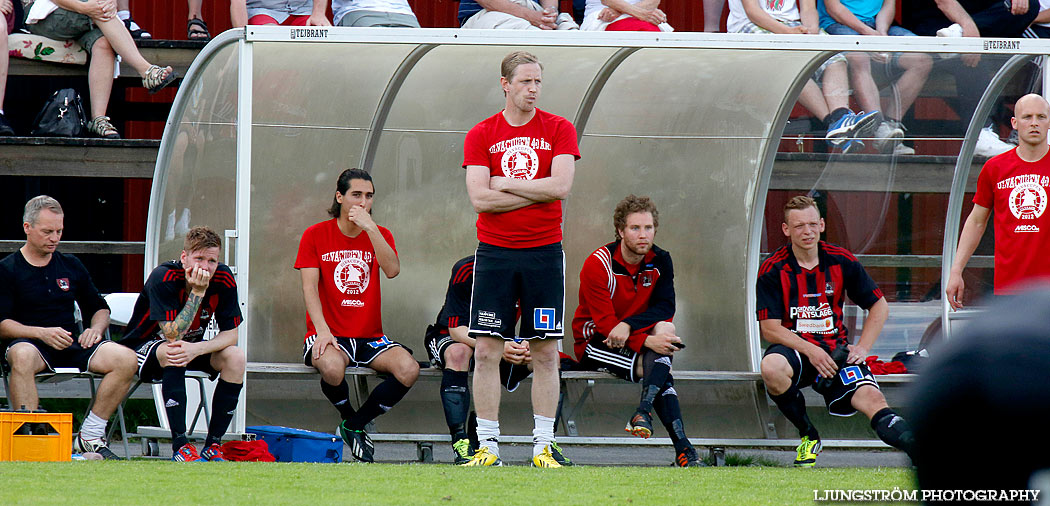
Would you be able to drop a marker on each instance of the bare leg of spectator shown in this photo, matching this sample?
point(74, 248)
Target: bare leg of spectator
point(713, 15)
point(812, 99)
point(916, 69)
point(487, 353)
point(836, 86)
point(100, 76)
point(120, 41)
point(3, 76)
point(863, 84)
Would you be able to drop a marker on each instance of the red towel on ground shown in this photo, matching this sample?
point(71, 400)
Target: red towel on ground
point(879, 367)
point(247, 451)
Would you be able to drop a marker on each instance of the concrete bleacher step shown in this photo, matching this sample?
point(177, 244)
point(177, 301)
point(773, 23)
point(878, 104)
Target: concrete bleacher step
point(868, 172)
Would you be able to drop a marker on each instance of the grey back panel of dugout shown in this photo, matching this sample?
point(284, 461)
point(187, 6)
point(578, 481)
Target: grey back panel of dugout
point(695, 128)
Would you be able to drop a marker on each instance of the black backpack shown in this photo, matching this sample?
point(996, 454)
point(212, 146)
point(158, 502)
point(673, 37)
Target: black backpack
point(62, 116)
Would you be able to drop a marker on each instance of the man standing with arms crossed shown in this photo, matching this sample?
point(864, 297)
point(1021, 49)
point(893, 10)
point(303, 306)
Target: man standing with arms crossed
point(520, 165)
point(1015, 184)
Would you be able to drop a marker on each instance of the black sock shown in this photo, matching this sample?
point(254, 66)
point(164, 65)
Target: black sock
point(834, 116)
point(223, 404)
point(455, 399)
point(383, 397)
point(670, 413)
point(339, 396)
point(893, 430)
point(173, 387)
point(656, 369)
point(793, 405)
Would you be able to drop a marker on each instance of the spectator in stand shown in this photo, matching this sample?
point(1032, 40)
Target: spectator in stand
point(279, 12)
point(7, 8)
point(124, 13)
point(972, 18)
point(391, 13)
point(875, 17)
point(831, 104)
point(97, 28)
point(514, 15)
point(197, 29)
point(625, 16)
point(713, 15)
point(1040, 28)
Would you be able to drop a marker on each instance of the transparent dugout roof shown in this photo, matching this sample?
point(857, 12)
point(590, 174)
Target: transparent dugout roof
point(707, 125)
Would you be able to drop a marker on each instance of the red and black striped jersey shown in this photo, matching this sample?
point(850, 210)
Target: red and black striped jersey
point(611, 291)
point(809, 302)
point(164, 295)
point(456, 311)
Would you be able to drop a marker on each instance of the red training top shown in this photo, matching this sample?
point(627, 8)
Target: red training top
point(523, 152)
point(1017, 190)
point(349, 284)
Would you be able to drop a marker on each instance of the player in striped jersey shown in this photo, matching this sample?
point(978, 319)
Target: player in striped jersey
point(801, 289)
point(623, 323)
point(177, 303)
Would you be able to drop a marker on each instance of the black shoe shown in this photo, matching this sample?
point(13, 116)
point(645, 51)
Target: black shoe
point(641, 425)
point(5, 127)
point(689, 458)
point(98, 446)
point(361, 447)
point(559, 456)
point(137, 32)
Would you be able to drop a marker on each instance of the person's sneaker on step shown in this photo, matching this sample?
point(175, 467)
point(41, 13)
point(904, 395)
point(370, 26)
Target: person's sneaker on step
point(989, 144)
point(888, 135)
point(96, 445)
point(186, 453)
point(5, 127)
point(852, 125)
point(213, 453)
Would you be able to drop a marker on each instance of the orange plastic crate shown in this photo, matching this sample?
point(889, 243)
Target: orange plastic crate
point(17, 441)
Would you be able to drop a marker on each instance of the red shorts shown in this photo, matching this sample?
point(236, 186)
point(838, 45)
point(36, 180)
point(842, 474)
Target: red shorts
point(263, 19)
point(631, 25)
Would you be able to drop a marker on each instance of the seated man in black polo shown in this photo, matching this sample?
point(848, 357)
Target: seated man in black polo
point(38, 286)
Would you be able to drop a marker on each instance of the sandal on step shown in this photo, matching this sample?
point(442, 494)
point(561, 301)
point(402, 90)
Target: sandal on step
point(197, 29)
point(155, 79)
point(137, 32)
point(101, 127)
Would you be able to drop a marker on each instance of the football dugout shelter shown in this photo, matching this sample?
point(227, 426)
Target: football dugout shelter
point(705, 124)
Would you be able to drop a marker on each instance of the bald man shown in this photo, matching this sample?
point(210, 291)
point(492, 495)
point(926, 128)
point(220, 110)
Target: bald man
point(1015, 183)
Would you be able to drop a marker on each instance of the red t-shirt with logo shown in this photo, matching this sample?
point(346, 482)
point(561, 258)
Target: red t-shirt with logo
point(1016, 192)
point(349, 284)
point(523, 152)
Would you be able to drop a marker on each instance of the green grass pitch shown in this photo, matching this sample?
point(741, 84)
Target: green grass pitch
point(270, 484)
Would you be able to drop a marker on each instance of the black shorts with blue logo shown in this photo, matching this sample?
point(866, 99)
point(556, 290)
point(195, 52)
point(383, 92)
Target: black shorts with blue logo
point(839, 395)
point(360, 350)
point(505, 276)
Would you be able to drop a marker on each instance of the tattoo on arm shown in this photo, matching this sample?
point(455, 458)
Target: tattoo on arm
point(175, 330)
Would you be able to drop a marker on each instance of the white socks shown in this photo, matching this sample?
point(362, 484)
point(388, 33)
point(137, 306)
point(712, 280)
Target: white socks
point(542, 435)
point(94, 427)
point(488, 435)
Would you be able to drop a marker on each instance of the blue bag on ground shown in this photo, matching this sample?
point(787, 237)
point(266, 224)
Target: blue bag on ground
point(298, 445)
